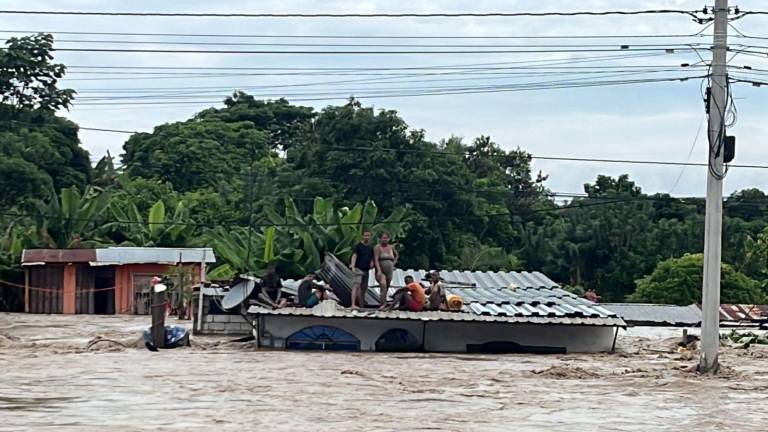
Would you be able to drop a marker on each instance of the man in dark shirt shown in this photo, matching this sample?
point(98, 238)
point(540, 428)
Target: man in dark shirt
point(271, 289)
point(362, 259)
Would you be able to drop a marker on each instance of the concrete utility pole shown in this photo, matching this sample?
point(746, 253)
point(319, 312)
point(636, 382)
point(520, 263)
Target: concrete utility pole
point(713, 227)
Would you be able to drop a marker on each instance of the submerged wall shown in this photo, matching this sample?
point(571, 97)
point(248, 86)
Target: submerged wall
point(444, 336)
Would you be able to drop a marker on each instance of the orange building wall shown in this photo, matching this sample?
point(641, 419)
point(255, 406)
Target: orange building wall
point(124, 282)
point(70, 286)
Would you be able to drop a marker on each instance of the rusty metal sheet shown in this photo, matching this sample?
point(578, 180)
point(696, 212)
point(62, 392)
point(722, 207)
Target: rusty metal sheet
point(57, 256)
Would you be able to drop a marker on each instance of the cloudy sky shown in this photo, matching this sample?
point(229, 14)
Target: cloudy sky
point(650, 121)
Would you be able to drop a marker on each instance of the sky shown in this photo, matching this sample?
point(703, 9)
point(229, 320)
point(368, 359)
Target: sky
point(648, 121)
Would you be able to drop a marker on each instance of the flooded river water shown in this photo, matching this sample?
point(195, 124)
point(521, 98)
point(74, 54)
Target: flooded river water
point(50, 381)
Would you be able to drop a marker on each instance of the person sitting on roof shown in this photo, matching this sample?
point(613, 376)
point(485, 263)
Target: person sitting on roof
point(411, 298)
point(436, 292)
point(271, 289)
point(312, 293)
point(591, 295)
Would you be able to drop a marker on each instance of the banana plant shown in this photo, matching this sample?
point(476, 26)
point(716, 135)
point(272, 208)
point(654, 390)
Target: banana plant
point(335, 230)
point(70, 219)
point(157, 230)
point(242, 252)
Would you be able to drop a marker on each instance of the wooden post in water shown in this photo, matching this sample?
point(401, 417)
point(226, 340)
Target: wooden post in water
point(26, 290)
point(158, 316)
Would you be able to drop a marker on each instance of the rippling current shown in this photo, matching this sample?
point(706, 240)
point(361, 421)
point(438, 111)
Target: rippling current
point(50, 381)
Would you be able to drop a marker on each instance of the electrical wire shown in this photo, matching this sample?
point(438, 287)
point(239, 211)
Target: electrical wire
point(367, 52)
point(699, 33)
point(690, 153)
point(397, 93)
point(693, 14)
point(666, 46)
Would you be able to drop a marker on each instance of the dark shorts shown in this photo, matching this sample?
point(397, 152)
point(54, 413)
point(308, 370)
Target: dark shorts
point(361, 277)
point(312, 300)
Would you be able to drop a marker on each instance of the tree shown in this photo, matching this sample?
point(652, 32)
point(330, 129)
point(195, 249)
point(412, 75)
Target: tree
point(679, 281)
point(196, 154)
point(28, 79)
point(39, 152)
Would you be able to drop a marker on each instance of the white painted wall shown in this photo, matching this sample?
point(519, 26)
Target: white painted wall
point(454, 336)
point(446, 336)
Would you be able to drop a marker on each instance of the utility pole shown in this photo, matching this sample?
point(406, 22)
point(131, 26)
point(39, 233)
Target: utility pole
point(713, 226)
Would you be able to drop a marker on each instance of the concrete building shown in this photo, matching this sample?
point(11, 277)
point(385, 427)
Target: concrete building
point(521, 319)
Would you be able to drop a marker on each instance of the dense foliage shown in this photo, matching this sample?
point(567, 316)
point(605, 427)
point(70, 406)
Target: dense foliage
point(678, 281)
point(269, 181)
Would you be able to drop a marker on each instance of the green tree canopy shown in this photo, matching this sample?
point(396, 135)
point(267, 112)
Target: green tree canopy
point(28, 79)
point(679, 281)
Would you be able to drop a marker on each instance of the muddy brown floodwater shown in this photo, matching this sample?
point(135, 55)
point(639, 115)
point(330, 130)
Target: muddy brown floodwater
point(50, 381)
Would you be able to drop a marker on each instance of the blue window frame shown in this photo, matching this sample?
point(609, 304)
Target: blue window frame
point(322, 337)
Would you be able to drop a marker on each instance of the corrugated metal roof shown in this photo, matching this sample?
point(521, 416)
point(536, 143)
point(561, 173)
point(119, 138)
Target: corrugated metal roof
point(742, 312)
point(118, 256)
point(477, 279)
point(656, 314)
point(450, 278)
point(331, 310)
point(532, 305)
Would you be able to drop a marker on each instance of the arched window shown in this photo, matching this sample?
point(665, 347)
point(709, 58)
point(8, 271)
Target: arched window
point(321, 337)
point(398, 340)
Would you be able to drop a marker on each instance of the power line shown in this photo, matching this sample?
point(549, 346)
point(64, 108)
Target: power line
point(667, 46)
point(600, 201)
point(396, 93)
point(693, 14)
point(368, 84)
point(700, 33)
point(369, 52)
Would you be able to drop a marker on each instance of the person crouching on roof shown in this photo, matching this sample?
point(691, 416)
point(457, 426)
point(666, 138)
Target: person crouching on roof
point(411, 298)
point(312, 293)
point(271, 289)
point(436, 292)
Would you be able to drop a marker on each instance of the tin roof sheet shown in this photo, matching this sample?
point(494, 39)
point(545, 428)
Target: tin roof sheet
point(531, 305)
point(477, 279)
point(118, 256)
point(656, 314)
point(742, 312)
point(331, 310)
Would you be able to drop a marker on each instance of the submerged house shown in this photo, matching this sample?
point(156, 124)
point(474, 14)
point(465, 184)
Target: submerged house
point(503, 312)
point(112, 280)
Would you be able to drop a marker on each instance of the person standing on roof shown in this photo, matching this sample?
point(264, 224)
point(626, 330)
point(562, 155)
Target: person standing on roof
point(362, 260)
point(384, 259)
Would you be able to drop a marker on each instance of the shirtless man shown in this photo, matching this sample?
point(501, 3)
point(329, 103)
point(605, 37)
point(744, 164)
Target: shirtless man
point(384, 260)
point(436, 292)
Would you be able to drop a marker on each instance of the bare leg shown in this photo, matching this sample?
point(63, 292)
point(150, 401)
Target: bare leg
point(384, 289)
point(355, 295)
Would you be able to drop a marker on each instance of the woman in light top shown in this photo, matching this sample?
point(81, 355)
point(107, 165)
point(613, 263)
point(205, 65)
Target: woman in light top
point(384, 259)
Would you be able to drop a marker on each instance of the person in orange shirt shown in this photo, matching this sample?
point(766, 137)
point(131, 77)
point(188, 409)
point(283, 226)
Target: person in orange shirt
point(410, 298)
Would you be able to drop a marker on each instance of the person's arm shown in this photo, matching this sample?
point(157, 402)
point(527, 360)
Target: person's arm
point(395, 254)
point(353, 261)
point(376, 252)
point(265, 298)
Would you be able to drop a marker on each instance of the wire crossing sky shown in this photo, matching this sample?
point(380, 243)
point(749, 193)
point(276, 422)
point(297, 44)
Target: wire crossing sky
point(592, 83)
